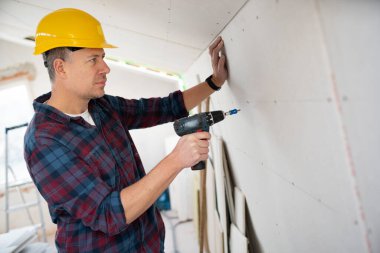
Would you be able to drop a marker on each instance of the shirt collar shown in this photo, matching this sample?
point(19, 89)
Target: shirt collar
point(56, 114)
point(49, 111)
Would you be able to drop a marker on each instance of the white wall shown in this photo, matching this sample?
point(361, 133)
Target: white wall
point(304, 148)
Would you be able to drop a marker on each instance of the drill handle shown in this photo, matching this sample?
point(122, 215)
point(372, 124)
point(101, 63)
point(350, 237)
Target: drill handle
point(202, 164)
point(199, 166)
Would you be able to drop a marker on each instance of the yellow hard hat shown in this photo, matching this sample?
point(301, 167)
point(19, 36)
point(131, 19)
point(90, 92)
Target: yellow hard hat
point(69, 28)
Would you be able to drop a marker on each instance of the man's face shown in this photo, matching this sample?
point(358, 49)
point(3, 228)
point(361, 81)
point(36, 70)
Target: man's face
point(86, 73)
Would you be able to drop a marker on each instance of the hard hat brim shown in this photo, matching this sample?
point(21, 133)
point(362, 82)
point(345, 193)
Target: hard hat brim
point(40, 50)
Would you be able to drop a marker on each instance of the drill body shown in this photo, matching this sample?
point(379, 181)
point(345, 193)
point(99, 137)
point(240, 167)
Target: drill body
point(198, 123)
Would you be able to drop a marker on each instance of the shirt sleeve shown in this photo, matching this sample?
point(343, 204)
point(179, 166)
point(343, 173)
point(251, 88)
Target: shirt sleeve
point(73, 190)
point(147, 112)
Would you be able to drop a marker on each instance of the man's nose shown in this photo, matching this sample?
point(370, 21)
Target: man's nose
point(105, 69)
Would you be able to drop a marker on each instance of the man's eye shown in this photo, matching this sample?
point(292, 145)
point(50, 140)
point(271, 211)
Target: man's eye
point(93, 60)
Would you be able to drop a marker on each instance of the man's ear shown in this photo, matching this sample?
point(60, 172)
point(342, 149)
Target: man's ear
point(59, 68)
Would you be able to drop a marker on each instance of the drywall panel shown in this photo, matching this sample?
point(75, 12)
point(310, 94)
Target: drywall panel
point(352, 41)
point(287, 148)
point(211, 205)
point(220, 186)
point(239, 200)
point(238, 242)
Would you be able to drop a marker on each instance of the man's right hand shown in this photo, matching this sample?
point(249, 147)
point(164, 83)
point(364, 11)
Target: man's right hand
point(138, 197)
point(191, 149)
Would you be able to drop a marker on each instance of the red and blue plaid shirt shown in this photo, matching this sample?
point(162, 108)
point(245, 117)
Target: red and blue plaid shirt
point(80, 170)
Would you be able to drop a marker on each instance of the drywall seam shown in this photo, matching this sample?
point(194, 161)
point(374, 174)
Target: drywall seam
point(233, 17)
point(345, 140)
point(221, 31)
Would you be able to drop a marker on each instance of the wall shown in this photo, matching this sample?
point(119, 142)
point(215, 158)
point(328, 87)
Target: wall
point(304, 148)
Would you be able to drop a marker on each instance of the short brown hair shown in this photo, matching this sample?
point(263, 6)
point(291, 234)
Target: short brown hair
point(56, 53)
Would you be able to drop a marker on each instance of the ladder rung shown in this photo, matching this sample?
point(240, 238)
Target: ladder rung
point(19, 183)
point(20, 206)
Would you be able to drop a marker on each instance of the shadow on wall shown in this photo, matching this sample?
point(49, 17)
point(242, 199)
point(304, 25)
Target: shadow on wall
point(254, 245)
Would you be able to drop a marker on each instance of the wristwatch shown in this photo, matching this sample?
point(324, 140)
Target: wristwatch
point(212, 84)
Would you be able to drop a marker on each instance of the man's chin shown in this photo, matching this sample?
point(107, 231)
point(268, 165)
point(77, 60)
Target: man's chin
point(98, 95)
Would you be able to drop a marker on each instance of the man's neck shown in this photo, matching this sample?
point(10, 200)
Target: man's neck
point(67, 104)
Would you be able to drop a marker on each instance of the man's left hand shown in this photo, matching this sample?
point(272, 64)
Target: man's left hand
point(218, 61)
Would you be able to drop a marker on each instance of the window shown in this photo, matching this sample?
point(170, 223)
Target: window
point(15, 109)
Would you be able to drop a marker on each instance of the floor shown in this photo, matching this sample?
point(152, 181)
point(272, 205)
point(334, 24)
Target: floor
point(180, 236)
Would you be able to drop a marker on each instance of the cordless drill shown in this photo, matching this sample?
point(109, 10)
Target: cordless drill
point(198, 123)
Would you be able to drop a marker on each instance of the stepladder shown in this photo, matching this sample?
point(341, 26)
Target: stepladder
point(22, 199)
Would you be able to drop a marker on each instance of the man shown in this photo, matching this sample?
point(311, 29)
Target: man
point(79, 151)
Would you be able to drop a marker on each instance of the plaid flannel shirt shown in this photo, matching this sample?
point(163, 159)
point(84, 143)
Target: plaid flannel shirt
point(80, 170)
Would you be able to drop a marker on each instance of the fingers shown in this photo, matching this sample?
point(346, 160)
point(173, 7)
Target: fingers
point(199, 154)
point(192, 148)
point(218, 61)
point(214, 50)
point(202, 143)
point(202, 135)
point(219, 46)
point(221, 63)
point(202, 139)
point(214, 44)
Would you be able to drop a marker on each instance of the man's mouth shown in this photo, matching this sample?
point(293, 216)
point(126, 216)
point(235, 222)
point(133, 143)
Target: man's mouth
point(101, 82)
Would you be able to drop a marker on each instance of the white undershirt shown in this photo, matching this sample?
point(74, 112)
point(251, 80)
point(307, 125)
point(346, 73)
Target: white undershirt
point(86, 116)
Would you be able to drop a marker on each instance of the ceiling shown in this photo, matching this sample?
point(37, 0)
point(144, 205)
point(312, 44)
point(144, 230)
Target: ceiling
point(167, 35)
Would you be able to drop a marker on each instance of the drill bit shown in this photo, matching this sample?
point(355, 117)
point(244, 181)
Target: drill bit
point(232, 112)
